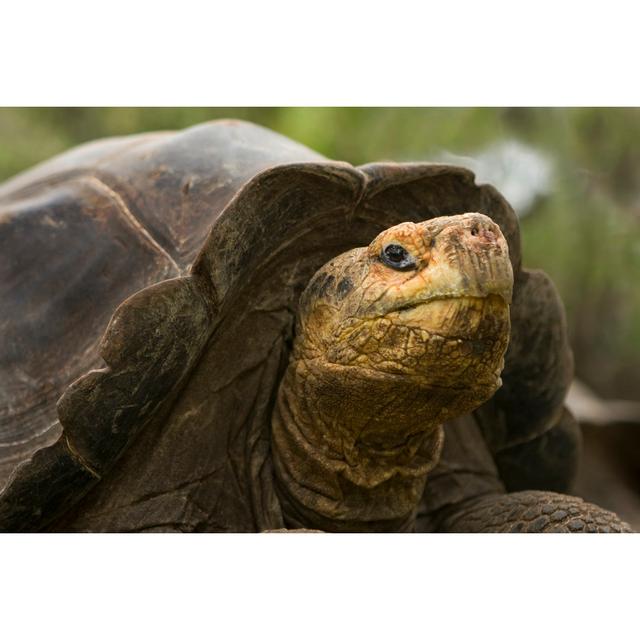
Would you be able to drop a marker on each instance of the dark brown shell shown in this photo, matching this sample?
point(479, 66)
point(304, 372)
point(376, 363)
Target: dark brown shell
point(216, 230)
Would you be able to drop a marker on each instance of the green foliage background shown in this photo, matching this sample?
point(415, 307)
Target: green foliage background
point(586, 235)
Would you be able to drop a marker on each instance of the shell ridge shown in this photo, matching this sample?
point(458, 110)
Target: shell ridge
point(130, 218)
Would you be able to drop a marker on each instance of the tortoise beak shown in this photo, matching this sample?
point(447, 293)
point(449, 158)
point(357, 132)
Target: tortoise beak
point(473, 256)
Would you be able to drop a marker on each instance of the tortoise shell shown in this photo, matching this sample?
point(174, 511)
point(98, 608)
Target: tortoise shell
point(149, 287)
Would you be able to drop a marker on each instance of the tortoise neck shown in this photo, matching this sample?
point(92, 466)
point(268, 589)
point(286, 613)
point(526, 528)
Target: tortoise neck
point(352, 452)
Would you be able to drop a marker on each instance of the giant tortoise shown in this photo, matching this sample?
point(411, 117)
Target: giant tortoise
point(221, 330)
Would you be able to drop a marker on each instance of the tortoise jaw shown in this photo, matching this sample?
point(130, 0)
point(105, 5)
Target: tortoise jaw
point(459, 316)
point(454, 342)
point(504, 296)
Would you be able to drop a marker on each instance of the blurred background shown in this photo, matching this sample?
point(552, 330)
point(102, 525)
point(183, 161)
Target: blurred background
point(573, 176)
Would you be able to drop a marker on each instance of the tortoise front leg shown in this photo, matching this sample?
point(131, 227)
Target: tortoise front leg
point(531, 512)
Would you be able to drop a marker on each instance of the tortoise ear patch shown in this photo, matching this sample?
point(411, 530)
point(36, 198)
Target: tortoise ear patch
point(344, 287)
point(326, 285)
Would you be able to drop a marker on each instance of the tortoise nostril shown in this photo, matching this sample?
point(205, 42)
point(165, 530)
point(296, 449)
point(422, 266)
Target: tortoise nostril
point(483, 232)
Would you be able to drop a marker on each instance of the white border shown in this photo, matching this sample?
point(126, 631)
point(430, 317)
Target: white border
point(318, 586)
point(334, 52)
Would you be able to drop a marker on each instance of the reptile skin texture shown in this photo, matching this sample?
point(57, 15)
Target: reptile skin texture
point(533, 512)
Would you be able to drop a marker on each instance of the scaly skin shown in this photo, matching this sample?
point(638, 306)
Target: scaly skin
point(531, 512)
point(383, 356)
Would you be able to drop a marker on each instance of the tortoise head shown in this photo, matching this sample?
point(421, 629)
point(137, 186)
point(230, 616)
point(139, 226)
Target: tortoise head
point(429, 301)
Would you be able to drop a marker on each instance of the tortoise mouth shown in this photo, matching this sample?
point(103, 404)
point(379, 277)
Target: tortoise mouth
point(492, 299)
point(464, 317)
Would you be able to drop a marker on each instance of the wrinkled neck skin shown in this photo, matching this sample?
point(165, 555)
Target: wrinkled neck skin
point(383, 356)
point(335, 468)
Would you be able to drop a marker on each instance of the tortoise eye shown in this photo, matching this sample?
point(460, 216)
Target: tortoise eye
point(397, 257)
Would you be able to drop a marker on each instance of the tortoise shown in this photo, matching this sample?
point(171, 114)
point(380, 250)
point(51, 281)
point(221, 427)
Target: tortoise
point(221, 330)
